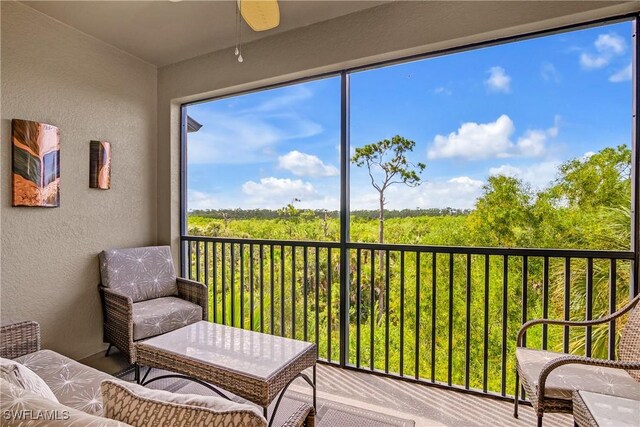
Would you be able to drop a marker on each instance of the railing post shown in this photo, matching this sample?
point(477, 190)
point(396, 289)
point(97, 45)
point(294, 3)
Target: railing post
point(635, 163)
point(344, 218)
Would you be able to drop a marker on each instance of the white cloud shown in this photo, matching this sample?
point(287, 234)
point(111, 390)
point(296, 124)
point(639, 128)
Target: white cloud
point(549, 72)
point(532, 143)
point(271, 192)
point(330, 203)
point(555, 129)
point(610, 43)
point(539, 175)
point(302, 164)
point(201, 200)
point(442, 90)
point(250, 135)
point(590, 61)
point(291, 96)
point(499, 80)
point(459, 192)
point(476, 141)
point(607, 46)
point(244, 139)
point(466, 181)
point(623, 75)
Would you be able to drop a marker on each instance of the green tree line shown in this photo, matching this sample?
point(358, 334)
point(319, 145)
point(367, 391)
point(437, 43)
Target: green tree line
point(235, 214)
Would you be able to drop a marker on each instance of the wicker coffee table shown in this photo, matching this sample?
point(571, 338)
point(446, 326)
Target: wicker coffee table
point(252, 365)
point(601, 410)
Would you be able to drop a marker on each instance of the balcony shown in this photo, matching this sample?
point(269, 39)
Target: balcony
point(425, 333)
point(372, 339)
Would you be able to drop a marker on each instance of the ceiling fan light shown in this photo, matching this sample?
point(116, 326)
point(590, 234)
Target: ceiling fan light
point(260, 15)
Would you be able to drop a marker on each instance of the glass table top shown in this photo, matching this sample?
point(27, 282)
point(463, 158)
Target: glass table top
point(612, 411)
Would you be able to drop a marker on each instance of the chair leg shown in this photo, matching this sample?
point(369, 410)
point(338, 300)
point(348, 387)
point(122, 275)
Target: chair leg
point(108, 350)
point(136, 375)
point(539, 420)
point(516, 396)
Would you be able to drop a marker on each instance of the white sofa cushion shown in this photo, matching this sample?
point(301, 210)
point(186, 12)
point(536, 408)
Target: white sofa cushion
point(74, 384)
point(22, 408)
point(141, 407)
point(23, 377)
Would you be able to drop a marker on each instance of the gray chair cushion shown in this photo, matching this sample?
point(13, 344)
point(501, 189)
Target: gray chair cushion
point(564, 380)
point(74, 384)
point(139, 273)
point(162, 315)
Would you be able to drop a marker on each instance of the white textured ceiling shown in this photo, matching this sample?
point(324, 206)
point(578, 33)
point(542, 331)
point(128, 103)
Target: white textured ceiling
point(163, 32)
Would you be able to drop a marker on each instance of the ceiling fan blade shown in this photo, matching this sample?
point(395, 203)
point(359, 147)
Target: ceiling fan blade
point(260, 15)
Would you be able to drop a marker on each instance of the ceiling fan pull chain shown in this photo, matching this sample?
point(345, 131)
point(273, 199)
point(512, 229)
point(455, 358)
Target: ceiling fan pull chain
point(238, 51)
point(240, 58)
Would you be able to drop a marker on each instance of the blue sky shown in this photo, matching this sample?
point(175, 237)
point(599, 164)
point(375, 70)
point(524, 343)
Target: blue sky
point(519, 109)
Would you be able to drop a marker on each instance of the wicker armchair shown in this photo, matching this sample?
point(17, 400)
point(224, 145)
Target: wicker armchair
point(550, 378)
point(142, 297)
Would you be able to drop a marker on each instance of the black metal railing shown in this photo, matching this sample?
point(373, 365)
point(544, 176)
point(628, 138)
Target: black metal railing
point(443, 315)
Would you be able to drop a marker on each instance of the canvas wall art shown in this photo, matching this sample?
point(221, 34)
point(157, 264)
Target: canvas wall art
point(36, 164)
point(100, 165)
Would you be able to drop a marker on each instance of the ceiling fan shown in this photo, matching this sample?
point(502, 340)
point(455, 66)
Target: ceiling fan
point(260, 15)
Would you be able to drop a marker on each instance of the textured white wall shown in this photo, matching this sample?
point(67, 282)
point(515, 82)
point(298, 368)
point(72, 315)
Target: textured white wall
point(385, 32)
point(55, 74)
